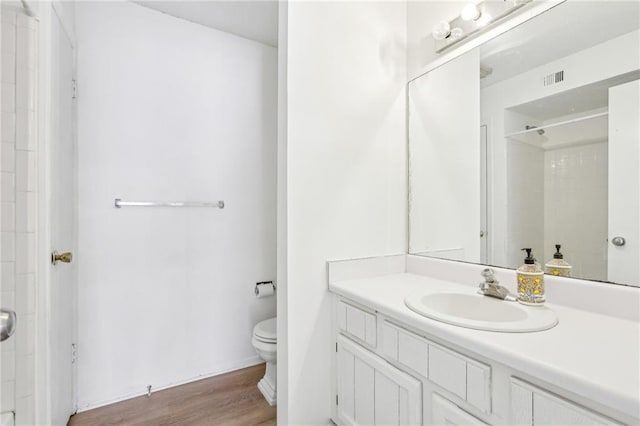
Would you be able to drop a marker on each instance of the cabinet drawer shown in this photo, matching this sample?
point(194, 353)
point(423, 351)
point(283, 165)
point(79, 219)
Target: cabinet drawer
point(463, 376)
point(531, 405)
point(413, 351)
point(407, 348)
point(479, 385)
point(357, 322)
point(389, 343)
point(447, 413)
point(448, 370)
point(468, 379)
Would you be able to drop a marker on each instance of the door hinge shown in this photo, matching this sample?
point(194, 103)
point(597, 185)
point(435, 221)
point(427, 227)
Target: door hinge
point(74, 353)
point(336, 346)
point(336, 399)
point(74, 89)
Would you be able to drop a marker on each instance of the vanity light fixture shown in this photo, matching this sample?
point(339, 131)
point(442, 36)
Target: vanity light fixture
point(473, 19)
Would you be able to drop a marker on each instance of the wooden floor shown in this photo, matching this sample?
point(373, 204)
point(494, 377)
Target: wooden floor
point(228, 399)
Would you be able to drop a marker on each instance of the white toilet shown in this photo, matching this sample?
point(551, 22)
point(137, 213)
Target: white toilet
point(264, 341)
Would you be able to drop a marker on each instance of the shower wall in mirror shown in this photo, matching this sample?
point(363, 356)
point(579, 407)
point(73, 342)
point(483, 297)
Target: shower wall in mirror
point(532, 140)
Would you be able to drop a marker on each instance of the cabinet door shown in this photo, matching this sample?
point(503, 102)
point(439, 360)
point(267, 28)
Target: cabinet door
point(447, 413)
point(373, 392)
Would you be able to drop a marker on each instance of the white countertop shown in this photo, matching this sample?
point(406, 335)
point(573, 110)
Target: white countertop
point(592, 355)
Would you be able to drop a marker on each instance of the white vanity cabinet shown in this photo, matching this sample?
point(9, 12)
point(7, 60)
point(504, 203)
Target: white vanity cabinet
point(388, 374)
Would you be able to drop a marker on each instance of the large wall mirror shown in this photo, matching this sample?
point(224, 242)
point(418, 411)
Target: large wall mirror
point(532, 140)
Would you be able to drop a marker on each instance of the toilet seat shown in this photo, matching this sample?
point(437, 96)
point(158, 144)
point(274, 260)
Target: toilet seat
point(265, 331)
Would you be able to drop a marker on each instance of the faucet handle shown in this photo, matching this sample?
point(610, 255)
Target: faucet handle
point(489, 276)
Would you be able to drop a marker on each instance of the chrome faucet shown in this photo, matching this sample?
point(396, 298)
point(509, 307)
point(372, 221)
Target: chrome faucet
point(491, 287)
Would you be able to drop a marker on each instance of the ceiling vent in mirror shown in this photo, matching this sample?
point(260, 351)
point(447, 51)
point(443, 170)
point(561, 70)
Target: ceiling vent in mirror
point(554, 78)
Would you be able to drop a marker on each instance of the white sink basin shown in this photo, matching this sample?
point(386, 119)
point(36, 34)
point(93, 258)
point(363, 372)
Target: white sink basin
point(482, 312)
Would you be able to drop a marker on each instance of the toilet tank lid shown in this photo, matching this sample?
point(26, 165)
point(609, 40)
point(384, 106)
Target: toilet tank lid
point(266, 329)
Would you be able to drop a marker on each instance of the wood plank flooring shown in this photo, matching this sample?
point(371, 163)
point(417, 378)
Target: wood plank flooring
point(228, 399)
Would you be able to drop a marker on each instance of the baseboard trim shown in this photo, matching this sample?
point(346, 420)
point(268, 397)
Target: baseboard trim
point(238, 365)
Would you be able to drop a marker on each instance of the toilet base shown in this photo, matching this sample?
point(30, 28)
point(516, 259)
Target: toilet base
point(267, 385)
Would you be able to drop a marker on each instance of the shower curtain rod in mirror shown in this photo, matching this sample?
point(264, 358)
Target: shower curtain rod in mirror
point(120, 203)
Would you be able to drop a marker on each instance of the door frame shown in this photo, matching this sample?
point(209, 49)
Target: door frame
point(46, 13)
point(485, 205)
point(1, 301)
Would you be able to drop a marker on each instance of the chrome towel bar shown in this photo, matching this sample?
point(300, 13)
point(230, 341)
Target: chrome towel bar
point(119, 203)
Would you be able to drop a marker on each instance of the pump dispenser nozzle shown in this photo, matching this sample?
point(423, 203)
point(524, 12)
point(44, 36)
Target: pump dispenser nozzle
point(558, 266)
point(529, 260)
point(557, 254)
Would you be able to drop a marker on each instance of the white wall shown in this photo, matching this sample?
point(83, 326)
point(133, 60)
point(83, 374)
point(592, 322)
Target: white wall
point(346, 170)
point(575, 207)
point(525, 192)
point(170, 110)
point(444, 219)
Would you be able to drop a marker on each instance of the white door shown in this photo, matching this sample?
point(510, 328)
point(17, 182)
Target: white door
point(624, 184)
point(63, 220)
point(372, 392)
point(484, 194)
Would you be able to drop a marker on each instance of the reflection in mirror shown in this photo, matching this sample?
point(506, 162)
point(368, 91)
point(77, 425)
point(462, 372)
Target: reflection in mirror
point(532, 140)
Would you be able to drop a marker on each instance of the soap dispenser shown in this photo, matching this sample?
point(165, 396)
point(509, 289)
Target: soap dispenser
point(558, 266)
point(530, 281)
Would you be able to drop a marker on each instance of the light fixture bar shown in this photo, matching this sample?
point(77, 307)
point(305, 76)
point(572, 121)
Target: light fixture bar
point(476, 17)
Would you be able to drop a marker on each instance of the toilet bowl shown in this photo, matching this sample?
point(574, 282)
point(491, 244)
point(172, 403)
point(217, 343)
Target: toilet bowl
point(264, 342)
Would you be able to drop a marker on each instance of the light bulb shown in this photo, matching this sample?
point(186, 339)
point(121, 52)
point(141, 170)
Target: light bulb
point(470, 12)
point(456, 33)
point(441, 30)
point(484, 20)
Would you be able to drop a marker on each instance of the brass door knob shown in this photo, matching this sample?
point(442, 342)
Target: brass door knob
point(61, 257)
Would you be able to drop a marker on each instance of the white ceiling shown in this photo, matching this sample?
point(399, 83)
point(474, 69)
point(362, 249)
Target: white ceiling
point(565, 29)
point(578, 100)
point(255, 20)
